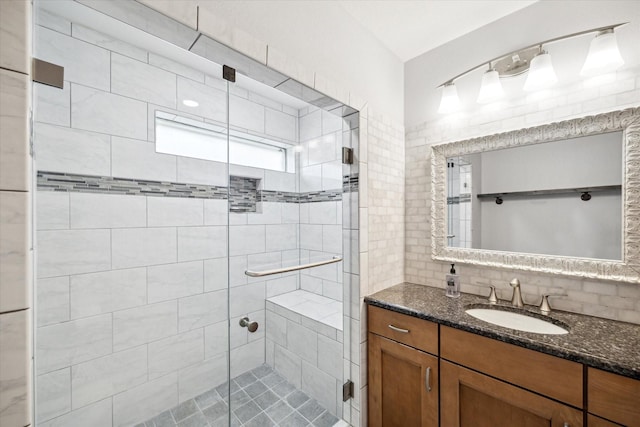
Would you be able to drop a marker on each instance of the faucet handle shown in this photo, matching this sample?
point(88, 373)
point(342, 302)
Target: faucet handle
point(545, 308)
point(493, 298)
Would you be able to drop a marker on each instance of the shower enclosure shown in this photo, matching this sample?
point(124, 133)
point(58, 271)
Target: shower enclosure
point(195, 224)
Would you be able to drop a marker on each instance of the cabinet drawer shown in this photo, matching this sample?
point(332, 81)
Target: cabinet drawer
point(594, 421)
point(408, 330)
point(614, 397)
point(548, 375)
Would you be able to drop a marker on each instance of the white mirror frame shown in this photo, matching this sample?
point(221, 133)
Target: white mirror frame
point(626, 270)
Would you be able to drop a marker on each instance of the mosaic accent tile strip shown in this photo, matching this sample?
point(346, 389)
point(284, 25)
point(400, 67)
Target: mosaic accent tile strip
point(57, 181)
point(463, 198)
point(243, 194)
point(54, 181)
point(278, 196)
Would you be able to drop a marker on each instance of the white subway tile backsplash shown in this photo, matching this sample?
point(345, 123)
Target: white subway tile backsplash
point(145, 324)
point(64, 252)
point(179, 351)
point(171, 281)
point(97, 293)
point(141, 81)
point(201, 310)
point(97, 379)
point(70, 343)
point(107, 210)
point(54, 394)
point(138, 159)
point(137, 247)
point(61, 149)
point(104, 112)
point(83, 63)
point(145, 401)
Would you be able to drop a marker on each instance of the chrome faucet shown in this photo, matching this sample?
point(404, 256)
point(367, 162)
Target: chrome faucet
point(516, 299)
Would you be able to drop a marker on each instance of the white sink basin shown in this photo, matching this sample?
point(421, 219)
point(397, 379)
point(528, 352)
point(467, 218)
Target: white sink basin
point(518, 321)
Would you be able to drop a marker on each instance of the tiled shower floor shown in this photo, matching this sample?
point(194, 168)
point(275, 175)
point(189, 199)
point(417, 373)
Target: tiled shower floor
point(259, 398)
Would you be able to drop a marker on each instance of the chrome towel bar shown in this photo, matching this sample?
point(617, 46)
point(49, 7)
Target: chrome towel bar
point(292, 268)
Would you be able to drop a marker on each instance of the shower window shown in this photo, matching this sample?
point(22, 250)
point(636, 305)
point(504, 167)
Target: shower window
point(191, 138)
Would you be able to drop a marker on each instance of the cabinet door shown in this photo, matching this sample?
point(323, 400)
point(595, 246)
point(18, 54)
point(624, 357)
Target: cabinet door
point(471, 399)
point(403, 385)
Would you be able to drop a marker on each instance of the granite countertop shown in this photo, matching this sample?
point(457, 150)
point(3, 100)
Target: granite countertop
point(605, 344)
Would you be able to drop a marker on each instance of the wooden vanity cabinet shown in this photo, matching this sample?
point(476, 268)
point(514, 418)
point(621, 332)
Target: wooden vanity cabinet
point(488, 383)
point(403, 380)
point(613, 397)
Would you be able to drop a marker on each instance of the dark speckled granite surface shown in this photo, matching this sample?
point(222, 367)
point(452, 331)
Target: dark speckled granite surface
point(600, 343)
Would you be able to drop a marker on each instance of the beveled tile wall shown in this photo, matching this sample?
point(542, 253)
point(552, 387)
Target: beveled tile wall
point(15, 214)
point(132, 289)
point(618, 301)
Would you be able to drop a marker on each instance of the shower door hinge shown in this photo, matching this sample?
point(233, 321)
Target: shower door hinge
point(347, 156)
point(347, 390)
point(229, 73)
point(47, 73)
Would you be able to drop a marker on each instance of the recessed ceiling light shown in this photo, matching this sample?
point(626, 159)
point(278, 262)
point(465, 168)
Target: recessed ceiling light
point(190, 103)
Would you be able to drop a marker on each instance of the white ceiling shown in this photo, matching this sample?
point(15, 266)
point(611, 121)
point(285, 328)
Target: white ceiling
point(412, 27)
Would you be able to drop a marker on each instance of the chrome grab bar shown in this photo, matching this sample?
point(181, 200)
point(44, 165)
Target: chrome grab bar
point(292, 268)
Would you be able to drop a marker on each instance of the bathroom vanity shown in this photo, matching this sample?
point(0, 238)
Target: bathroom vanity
point(430, 364)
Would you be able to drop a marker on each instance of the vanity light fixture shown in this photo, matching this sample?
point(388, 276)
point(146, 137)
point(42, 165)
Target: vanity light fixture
point(604, 57)
point(541, 72)
point(490, 88)
point(450, 101)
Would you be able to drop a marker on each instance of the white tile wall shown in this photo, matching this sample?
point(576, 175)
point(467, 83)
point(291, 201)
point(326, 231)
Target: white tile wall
point(63, 252)
point(64, 344)
point(141, 325)
point(54, 394)
point(98, 111)
point(179, 351)
point(106, 210)
point(172, 281)
point(62, 149)
point(105, 292)
point(145, 401)
point(202, 310)
point(135, 247)
point(98, 414)
point(99, 378)
point(141, 81)
point(132, 158)
point(53, 300)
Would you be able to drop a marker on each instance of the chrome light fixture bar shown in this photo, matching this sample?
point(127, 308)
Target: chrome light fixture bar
point(603, 57)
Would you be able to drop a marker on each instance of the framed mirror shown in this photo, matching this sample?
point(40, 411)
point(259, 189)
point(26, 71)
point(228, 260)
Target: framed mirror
point(562, 198)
